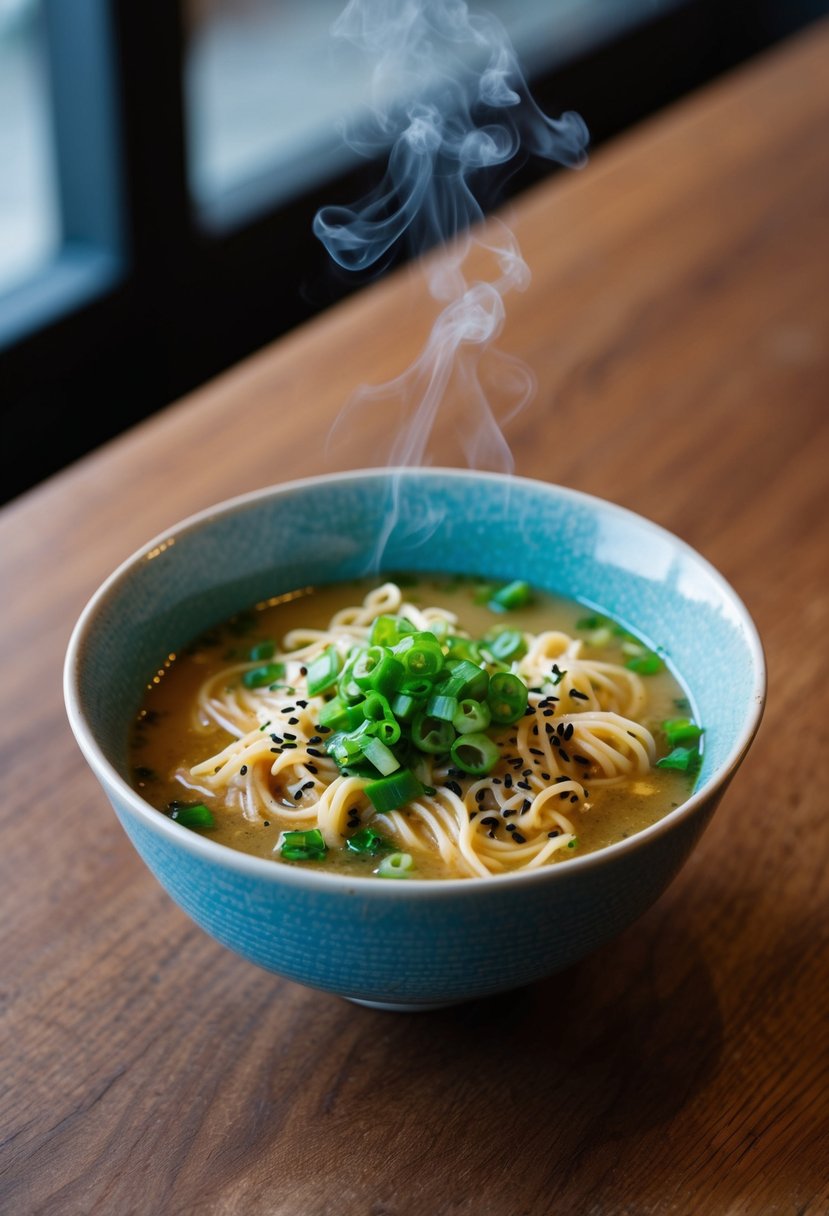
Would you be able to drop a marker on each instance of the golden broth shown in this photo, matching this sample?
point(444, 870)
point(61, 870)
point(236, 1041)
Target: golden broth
point(167, 739)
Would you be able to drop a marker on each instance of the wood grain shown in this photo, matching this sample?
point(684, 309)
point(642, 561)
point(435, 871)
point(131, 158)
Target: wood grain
point(677, 322)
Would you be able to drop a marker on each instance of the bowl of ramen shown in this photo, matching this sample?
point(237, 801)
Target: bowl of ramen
point(418, 736)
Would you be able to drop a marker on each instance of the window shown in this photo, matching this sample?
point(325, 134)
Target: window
point(161, 163)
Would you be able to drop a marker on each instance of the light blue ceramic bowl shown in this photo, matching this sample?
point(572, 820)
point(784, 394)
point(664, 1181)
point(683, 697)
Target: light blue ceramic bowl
point(414, 944)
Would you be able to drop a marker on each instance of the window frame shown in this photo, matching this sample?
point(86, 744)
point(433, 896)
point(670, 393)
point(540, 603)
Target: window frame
point(146, 300)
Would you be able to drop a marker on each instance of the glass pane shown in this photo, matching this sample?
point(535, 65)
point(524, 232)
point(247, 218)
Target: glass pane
point(266, 82)
point(29, 225)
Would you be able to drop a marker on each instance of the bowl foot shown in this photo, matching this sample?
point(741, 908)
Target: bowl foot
point(403, 1006)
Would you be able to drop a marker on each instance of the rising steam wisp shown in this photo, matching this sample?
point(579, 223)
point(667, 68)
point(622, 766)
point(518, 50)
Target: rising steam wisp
point(450, 107)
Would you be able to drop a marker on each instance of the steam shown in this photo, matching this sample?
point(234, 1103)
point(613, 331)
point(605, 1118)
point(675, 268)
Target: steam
point(451, 110)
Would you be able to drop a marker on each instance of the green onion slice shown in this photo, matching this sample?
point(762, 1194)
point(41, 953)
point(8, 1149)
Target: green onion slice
point(367, 841)
point(442, 707)
point(475, 753)
point(471, 716)
point(376, 752)
point(396, 865)
point(192, 815)
point(507, 645)
point(389, 793)
point(262, 651)
point(507, 697)
point(259, 677)
point(303, 846)
point(681, 730)
point(647, 664)
point(433, 735)
point(323, 671)
point(684, 759)
point(516, 594)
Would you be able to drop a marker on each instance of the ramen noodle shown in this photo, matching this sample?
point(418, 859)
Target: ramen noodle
point(437, 728)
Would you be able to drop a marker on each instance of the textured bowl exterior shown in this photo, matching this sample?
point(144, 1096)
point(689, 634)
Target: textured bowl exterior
point(413, 944)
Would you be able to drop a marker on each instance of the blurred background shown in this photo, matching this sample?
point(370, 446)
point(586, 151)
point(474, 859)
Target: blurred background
point(161, 164)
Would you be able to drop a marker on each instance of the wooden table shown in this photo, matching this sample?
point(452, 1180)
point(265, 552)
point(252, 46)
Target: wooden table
point(678, 325)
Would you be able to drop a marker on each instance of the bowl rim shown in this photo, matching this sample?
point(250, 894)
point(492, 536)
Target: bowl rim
point(332, 882)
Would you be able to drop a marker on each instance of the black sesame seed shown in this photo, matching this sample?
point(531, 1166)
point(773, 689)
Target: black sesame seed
point(276, 749)
point(580, 696)
point(480, 795)
point(581, 759)
point(518, 838)
point(293, 721)
point(266, 823)
point(315, 739)
point(564, 755)
point(536, 751)
point(525, 805)
point(574, 797)
point(298, 795)
point(568, 731)
point(312, 751)
point(490, 821)
point(554, 833)
point(302, 704)
point(545, 776)
point(523, 785)
point(288, 735)
point(243, 769)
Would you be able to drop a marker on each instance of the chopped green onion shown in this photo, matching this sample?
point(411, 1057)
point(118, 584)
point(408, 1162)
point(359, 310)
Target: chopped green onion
point(421, 655)
point(516, 594)
point(403, 706)
point(591, 623)
point(347, 687)
point(303, 846)
point(377, 669)
point(192, 815)
point(475, 679)
point(347, 748)
point(336, 715)
point(507, 645)
point(388, 630)
point(417, 688)
point(441, 706)
point(396, 865)
point(391, 792)
point(684, 759)
point(507, 697)
point(262, 651)
point(376, 752)
point(464, 648)
point(475, 753)
point(681, 730)
point(259, 677)
point(430, 734)
point(647, 664)
point(323, 671)
point(367, 841)
point(471, 716)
